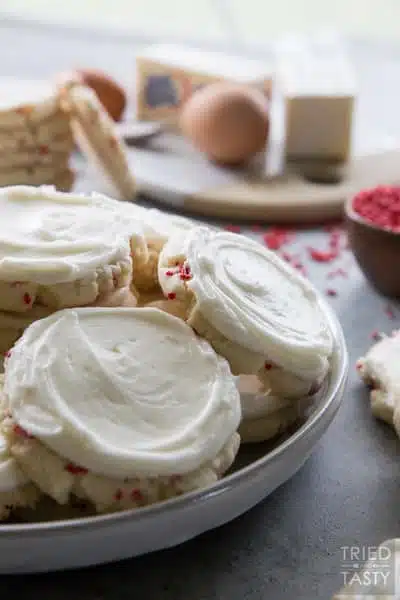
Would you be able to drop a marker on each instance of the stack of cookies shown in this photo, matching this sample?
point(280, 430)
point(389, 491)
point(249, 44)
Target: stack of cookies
point(35, 136)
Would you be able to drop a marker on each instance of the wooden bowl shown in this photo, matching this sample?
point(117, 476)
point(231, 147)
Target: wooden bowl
point(376, 250)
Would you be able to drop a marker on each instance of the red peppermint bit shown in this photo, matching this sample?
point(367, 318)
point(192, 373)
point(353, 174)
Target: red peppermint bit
point(390, 312)
point(27, 298)
point(276, 237)
point(75, 469)
point(336, 273)
point(169, 273)
point(358, 366)
point(137, 495)
point(331, 292)
point(380, 206)
point(118, 495)
point(43, 149)
point(321, 255)
point(375, 335)
point(171, 296)
point(18, 430)
point(185, 272)
point(268, 366)
point(7, 354)
point(233, 228)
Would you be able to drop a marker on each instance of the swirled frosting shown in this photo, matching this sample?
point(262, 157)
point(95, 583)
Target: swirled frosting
point(122, 392)
point(49, 237)
point(252, 297)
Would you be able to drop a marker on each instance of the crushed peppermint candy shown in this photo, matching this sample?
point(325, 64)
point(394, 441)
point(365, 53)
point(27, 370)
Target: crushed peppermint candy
point(277, 237)
point(380, 206)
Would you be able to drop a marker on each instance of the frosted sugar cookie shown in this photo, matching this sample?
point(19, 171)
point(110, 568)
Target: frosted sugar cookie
point(158, 227)
point(282, 383)
point(61, 250)
point(247, 302)
point(379, 368)
point(16, 491)
point(264, 415)
point(100, 408)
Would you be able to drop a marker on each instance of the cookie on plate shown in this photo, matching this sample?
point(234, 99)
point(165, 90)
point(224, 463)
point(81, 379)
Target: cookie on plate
point(264, 415)
point(158, 226)
point(248, 303)
point(109, 419)
point(379, 369)
point(61, 250)
point(16, 491)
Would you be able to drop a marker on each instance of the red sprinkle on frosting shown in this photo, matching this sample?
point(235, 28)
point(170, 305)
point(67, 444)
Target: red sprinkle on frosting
point(137, 495)
point(171, 296)
point(331, 292)
point(27, 299)
point(18, 430)
point(169, 273)
point(185, 273)
point(75, 469)
point(118, 495)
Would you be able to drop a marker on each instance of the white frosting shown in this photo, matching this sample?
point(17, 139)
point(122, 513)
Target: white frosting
point(11, 476)
point(157, 225)
point(49, 237)
point(122, 392)
point(253, 298)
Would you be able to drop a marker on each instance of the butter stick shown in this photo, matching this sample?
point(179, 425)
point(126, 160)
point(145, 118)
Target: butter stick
point(317, 83)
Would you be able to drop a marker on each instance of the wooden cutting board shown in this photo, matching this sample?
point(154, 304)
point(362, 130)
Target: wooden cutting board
point(173, 173)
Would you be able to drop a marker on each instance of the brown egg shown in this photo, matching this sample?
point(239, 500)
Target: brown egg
point(228, 122)
point(110, 93)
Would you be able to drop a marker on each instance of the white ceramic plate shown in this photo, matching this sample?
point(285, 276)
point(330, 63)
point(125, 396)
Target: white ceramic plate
point(259, 470)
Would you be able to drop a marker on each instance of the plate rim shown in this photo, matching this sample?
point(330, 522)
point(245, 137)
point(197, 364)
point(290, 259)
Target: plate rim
point(336, 385)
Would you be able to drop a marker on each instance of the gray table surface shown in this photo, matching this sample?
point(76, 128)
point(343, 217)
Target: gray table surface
point(347, 494)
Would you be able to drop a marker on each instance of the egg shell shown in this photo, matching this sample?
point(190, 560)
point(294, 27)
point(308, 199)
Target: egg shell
point(228, 122)
point(110, 93)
